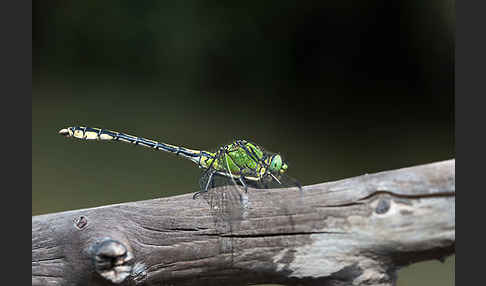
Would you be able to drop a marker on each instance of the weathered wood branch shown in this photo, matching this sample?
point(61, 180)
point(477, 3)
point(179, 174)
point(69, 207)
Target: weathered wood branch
point(357, 231)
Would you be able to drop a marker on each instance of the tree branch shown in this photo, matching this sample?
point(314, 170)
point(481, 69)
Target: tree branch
point(356, 231)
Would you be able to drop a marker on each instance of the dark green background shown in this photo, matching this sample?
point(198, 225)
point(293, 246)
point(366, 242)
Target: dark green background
point(341, 89)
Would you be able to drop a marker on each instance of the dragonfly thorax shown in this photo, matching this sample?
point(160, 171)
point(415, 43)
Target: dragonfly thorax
point(243, 159)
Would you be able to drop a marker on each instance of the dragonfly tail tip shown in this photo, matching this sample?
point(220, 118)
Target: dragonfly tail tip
point(64, 132)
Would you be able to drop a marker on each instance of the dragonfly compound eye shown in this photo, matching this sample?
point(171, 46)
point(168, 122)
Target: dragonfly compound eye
point(276, 163)
point(284, 168)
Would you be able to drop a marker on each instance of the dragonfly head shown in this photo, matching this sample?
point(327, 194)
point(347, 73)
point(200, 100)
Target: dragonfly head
point(284, 168)
point(277, 165)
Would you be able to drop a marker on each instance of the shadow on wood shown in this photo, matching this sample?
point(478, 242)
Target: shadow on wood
point(356, 231)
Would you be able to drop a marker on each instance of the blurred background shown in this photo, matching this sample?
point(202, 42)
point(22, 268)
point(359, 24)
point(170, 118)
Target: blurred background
point(340, 88)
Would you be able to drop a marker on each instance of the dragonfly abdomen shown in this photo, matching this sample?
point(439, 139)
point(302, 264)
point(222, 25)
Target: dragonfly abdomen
point(90, 133)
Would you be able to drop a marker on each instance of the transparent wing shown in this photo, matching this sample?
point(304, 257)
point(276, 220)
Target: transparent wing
point(226, 199)
point(270, 181)
point(226, 194)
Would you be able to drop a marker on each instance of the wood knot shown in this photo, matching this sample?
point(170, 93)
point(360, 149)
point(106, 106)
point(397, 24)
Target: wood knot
point(383, 206)
point(80, 222)
point(113, 261)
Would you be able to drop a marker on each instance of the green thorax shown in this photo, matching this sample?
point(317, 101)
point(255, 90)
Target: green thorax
point(239, 158)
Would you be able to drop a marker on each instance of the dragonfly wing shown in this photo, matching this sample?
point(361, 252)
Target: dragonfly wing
point(226, 200)
point(271, 181)
point(229, 201)
point(226, 190)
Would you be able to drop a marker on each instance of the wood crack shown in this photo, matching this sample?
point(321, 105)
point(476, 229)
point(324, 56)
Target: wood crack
point(262, 235)
point(281, 238)
point(414, 196)
point(52, 260)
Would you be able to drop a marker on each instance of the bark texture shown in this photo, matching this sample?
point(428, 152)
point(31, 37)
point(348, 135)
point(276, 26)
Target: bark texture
point(356, 231)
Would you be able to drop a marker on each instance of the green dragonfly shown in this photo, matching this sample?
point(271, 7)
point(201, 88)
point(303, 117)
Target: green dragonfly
point(240, 163)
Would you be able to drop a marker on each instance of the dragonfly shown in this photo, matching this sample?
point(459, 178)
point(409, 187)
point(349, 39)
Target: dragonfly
point(240, 163)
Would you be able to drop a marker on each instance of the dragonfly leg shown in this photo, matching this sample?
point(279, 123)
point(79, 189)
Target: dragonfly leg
point(242, 181)
point(212, 184)
point(265, 185)
point(206, 187)
point(211, 172)
point(298, 185)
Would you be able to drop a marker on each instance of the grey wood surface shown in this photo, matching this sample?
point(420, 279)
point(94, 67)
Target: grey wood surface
point(356, 231)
